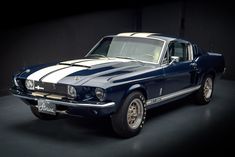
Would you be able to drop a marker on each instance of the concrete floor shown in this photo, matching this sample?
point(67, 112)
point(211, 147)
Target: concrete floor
point(178, 128)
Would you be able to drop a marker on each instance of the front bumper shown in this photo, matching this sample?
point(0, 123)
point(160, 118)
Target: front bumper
point(82, 108)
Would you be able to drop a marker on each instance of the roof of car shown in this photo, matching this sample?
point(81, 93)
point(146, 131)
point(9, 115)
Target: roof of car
point(148, 35)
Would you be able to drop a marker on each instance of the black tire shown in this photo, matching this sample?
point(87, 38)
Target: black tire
point(121, 123)
point(200, 96)
point(42, 116)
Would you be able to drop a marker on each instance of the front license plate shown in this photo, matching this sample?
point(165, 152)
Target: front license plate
point(46, 107)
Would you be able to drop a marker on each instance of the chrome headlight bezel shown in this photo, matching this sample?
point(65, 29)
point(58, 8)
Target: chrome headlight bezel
point(71, 91)
point(15, 82)
point(29, 84)
point(100, 93)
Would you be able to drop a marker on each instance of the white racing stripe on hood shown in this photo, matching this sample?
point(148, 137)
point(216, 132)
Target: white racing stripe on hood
point(58, 75)
point(40, 73)
point(101, 61)
point(58, 72)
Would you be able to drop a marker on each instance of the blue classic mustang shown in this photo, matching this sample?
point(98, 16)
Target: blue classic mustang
point(121, 77)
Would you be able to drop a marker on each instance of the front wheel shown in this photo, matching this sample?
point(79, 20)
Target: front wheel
point(204, 94)
point(129, 119)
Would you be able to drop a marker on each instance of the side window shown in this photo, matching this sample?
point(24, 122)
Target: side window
point(180, 50)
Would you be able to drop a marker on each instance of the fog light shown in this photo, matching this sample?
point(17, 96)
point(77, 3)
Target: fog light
point(29, 84)
point(72, 91)
point(100, 94)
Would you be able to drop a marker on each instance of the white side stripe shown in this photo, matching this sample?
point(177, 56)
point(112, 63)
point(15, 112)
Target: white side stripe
point(40, 73)
point(58, 75)
point(172, 95)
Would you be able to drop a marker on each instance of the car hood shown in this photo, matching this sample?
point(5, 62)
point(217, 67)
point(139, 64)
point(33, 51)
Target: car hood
point(78, 72)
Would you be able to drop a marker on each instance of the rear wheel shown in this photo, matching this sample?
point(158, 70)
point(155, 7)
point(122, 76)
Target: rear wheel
point(129, 119)
point(42, 116)
point(204, 94)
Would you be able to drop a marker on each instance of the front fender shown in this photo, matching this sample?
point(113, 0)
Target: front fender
point(136, 87)
point(127, 91)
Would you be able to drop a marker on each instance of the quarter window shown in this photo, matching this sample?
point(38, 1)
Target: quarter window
point(180, 50)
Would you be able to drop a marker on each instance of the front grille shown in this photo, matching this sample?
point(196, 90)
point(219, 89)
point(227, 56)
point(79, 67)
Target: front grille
point(50, 88)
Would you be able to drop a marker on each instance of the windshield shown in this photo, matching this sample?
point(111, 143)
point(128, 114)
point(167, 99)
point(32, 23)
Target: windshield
point(129, 47)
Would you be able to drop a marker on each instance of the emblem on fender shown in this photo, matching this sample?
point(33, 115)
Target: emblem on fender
point(76, 78)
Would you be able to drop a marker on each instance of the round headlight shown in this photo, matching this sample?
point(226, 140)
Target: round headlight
point(72, 91)
point(100, 94)
point(29, 84)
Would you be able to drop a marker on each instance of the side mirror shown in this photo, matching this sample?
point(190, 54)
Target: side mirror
point(174, 59)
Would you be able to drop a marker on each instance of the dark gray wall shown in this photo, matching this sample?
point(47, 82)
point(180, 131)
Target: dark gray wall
point(209, 25)
point(213, 28)
point(61, 39)
point(162, 18)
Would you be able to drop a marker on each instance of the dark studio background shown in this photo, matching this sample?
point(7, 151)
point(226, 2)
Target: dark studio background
point(38, 33)
point(42, 33)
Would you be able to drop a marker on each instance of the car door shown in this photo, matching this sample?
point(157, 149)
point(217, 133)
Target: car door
point(179, 74)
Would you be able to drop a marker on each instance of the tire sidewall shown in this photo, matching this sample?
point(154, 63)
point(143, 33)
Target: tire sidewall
point(207, 100)
point(126, 104)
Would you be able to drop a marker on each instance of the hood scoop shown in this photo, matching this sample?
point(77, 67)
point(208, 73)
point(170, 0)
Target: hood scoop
point(94, 62)
point(74, 64)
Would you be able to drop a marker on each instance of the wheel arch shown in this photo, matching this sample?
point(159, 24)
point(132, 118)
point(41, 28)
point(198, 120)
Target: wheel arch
point(208, 72)
point(129, 90)
point(212, 73)
point(137, 87)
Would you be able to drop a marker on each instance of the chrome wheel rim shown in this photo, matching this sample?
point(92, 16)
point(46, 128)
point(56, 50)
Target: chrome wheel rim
point(135, 113)
point(208, 88)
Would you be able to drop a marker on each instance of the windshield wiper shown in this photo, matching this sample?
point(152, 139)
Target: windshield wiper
point(97, 55)
point(125, 57)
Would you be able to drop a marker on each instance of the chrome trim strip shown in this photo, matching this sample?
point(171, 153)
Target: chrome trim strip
point(190, 48)
point(171, 95)
point(214, 54)
point(110, 104)
point(142, 34)
point(16, 83)
point(127, 34)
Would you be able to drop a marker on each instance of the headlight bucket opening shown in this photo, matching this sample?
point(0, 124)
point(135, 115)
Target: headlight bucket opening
point(100, 94)
point(72, 91)
point(29, 84)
